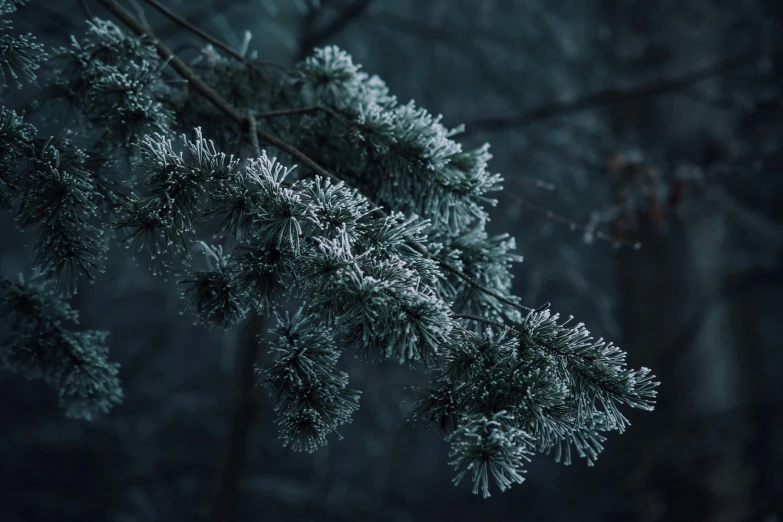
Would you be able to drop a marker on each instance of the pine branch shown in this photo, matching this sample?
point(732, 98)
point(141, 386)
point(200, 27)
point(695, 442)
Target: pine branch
point(233, 113)
point(206, 91)
point(227, 489)
point(373, 281)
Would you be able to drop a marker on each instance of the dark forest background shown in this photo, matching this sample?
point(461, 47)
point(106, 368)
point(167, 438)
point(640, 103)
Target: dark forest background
point(614, 122)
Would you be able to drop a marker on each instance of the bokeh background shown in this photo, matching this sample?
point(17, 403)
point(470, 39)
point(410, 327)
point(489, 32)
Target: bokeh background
point(614, 122)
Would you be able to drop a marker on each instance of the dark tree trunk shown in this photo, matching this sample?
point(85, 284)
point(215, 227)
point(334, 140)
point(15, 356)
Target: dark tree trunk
point(244, 415)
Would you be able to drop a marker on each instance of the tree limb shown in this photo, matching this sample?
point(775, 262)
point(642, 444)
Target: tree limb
point(613, 96)
point(206, 91)
point(245, 410)
point(233, 113)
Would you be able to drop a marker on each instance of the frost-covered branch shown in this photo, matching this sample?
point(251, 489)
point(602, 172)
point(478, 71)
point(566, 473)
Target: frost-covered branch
point(379, 242)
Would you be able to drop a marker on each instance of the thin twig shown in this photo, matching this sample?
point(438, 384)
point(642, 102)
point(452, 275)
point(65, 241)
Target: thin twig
point(302, 110)
point(201, 11)
point(253, 133)
point(86, 9)
point(195, 30)
point(418, 247)
point(527, 181)
point(489, 322)
point(613, 95)
point(140, 13)
point(181, 22)
point(573, 225)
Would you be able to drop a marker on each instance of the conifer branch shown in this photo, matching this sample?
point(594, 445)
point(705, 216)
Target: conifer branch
point(370, 279)
point(418, 247)
point(206, 91)
point(226, 108)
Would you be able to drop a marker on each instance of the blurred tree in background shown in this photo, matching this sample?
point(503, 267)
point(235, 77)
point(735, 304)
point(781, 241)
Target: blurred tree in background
point(640, 142)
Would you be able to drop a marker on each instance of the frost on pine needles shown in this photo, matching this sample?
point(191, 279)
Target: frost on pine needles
point(378, 240)
point(556, 387)
point(41, 342)
point(310, 393)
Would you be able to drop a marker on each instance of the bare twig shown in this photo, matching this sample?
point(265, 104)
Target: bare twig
point(168, 13)
point(140, 12)
point(613, 96)
point(303, 110)
point(201, 11)
point(86, 9)
point(573, 225)
point(486, 321)
point(253, 133)
point(181, 22)
point(527, 181)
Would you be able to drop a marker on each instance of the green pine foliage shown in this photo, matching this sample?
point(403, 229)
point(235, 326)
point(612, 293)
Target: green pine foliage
point(551, 381)
point(20, 55)
point(40, 341)
point(380, 237)
point(310, 393)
